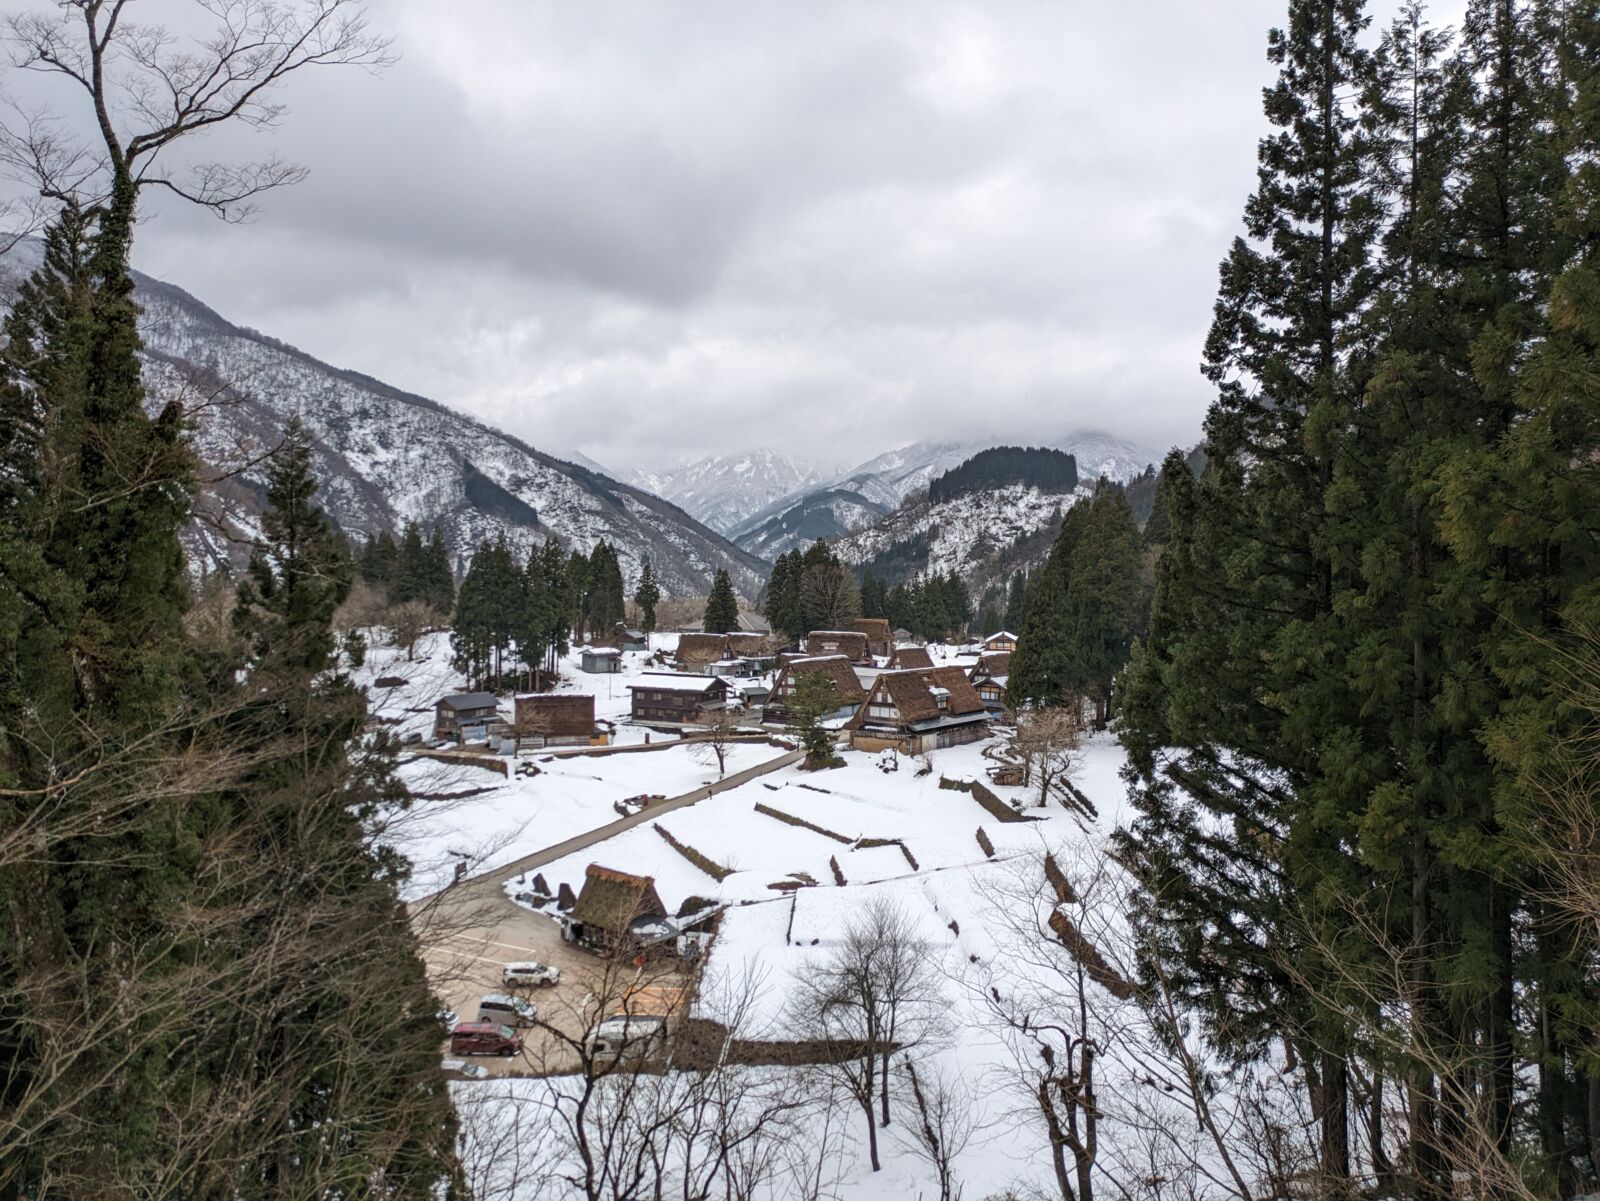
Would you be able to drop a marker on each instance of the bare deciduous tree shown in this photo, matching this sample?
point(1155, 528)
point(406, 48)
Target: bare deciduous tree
point(877, 994)
point(1047, 741)
point(147, 87)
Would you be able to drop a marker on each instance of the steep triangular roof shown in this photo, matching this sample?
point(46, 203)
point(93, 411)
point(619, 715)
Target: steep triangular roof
point(611, 899)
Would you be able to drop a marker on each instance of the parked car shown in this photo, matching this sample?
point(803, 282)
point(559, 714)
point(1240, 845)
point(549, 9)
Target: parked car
point(636, 1034)
point(467, 1071)
point(485, 1038)
point(541, 974)
point(510, 1011)
point(447, 1019)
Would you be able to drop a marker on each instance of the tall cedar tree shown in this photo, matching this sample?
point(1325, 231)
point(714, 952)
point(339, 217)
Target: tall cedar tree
point(722, 607)
point(1250, 630)
point(647, 596)
point(341, 1109)
point(93, 492)
point(782, 606)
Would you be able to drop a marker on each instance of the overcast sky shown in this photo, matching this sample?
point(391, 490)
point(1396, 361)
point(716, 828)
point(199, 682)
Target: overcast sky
point(649, 230)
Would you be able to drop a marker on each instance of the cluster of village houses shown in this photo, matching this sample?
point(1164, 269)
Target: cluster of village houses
point(890, 692)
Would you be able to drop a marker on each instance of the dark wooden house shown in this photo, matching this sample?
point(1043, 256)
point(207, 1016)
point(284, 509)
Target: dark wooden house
point(1001, 640)
point(919, 710)
point(462, 710)
point(676, 698)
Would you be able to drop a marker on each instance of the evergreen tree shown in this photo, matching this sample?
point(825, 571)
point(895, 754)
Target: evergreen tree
point(647, 595)
point(874, 596)
point(722, 607)
point(604, 604)
point(1290, 353)
point(782, 608)
point(338, 1109)
point(92, 672)
point(1105, 595)
point(826, 593)
point(1047, 668)
point(579, 581)
point(379, 561)
point(439, 581)
point(1016, 601)
point(411, 573)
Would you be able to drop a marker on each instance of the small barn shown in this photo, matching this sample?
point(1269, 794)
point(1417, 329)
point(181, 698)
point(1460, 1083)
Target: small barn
point(905, 657)
point(629, 639)
point(676, 698)
point(838, 670)
point(600, 660)
point(1001, 640)
point(615, 910)
point(461, 711)
point(919, 710)
point(852, 644)
point(880, 638)
point(556, 719)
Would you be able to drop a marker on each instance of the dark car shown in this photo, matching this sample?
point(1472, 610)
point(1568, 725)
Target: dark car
point(485, 1038)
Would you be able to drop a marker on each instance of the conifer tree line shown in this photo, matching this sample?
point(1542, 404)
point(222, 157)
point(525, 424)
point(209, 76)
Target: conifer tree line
point(935, 606)
point(411, 570)
point(513, 616)
point(1081, 609)
point(1351, 685)
point(811, 590)
point(208, 985)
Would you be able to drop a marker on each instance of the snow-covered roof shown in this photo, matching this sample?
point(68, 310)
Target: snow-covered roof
point(604, 651)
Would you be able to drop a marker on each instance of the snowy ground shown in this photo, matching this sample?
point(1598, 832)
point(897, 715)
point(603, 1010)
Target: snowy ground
point(478, 815)
point(978, 917)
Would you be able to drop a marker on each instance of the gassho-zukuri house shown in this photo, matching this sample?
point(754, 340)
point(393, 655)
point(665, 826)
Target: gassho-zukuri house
point(920, 709)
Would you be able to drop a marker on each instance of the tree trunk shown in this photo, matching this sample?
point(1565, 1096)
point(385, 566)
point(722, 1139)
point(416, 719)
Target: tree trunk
point(1335, 1117)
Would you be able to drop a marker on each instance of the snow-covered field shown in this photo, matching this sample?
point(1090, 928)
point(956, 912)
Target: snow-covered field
point(982, 921)
point(481, 816)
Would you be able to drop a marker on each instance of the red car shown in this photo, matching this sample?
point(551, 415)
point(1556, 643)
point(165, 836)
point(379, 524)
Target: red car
point(485, 1038)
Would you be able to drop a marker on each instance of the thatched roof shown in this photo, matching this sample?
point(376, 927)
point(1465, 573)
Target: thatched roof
point(555, 714)
point(610, 899)
point(850, 643)
point(993, 663)
point(913, 693)
point(702, 648)
point(836, 667)
point(875, 628)
point(910, 656)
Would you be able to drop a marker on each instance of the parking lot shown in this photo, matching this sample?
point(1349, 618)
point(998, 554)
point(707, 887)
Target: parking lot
point(471, 931)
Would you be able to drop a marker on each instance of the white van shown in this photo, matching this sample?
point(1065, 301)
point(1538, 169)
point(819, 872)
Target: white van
point(508, 1011)
point(638, 1035)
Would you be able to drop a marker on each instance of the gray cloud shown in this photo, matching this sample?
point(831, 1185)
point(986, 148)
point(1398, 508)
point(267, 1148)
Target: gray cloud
point(645, 230)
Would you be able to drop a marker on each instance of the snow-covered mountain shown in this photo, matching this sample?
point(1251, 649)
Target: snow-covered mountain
point(983, 535)
point(723, 490)
point(862, 497)
point(386, 457)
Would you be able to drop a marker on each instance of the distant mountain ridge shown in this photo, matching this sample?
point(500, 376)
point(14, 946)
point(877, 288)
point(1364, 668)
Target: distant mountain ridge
point(386, 457)
point(723, 490)
point(868, 494)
